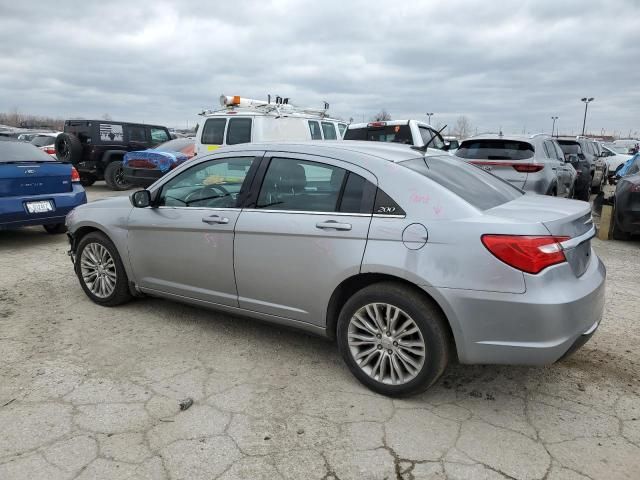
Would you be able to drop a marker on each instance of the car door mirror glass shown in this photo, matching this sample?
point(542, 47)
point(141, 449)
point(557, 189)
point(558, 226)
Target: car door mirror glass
point(141, 198)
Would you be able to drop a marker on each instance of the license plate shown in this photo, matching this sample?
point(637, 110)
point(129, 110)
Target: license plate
point(40, 207)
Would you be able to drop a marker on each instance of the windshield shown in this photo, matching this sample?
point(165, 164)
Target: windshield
point(22, 152)
point(474, 185)
point(175, 145)
point(385, 133)
point(497, 149)
point(43, 140)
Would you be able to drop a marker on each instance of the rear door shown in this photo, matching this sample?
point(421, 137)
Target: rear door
point(302, 233)
point(510, 160)
point(556, 162)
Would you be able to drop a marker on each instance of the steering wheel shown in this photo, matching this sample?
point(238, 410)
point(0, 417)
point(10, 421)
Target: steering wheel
point(201, 194)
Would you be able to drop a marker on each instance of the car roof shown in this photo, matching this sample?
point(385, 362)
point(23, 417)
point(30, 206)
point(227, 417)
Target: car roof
point(382, 151)
point(251, 112)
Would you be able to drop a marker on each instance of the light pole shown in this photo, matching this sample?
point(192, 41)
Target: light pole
point(553, 125)
point(586, 105)
point(428, 114)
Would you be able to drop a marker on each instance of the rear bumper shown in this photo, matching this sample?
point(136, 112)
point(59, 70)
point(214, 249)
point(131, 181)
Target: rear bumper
point(14, 214)
point(141, 176)
point(537, 327)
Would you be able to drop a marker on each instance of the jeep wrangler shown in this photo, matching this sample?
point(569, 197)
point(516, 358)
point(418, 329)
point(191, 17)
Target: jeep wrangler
point(96, 148)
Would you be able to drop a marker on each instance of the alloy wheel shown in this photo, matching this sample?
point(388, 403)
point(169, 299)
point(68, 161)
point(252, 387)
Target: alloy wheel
point(386, 343)
point(98, 270)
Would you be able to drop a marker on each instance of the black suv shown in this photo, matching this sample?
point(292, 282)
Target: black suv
point(574, 154)
point(96, 147)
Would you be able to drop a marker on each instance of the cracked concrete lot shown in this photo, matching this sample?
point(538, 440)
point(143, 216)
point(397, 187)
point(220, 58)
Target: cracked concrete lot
point(92, 393)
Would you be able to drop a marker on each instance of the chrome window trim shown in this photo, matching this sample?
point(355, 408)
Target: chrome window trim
point(219, 209)
point(308, 212)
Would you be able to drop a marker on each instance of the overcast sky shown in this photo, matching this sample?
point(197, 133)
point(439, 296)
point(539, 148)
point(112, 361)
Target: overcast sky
point(499, 64)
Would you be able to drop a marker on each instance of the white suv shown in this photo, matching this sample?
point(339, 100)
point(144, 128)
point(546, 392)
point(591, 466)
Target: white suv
point(244, 120)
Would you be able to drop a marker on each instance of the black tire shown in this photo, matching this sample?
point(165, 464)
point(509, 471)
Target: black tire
point(120, 293)
point(68, 148)
point(425, 315)
point(114, 176)
point(87, 180)
point(55, 228)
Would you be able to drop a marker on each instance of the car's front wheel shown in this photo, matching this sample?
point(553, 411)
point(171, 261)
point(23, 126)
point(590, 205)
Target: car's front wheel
point(100, 270)
point(393, 339)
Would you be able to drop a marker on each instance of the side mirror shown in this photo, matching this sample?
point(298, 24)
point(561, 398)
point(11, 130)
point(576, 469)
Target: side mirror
point(141, 198)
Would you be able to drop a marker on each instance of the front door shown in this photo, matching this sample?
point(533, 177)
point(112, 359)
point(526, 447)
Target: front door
point(304, 233)
point(184, 245)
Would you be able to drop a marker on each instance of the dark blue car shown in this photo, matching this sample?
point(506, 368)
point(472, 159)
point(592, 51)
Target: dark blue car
point(35, 188)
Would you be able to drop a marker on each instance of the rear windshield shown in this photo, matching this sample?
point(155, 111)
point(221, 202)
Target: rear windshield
point(175, 145)
point(22, 152)
point(474, 185)
point(387, 133)
point(43, 140)
point(495, 149)
point(568, 147)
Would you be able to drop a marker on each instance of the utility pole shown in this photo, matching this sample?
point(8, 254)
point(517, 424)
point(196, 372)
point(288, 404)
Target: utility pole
point(586, 105)
point(553, 126)
point(428, 114)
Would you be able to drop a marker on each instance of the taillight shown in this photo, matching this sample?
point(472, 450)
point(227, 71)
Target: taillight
point(531, 254)
point(527, 167)
point(49, 150)
point(75, 176)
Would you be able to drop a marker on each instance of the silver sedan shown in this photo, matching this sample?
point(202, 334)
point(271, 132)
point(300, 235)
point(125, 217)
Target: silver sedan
point(408, 259)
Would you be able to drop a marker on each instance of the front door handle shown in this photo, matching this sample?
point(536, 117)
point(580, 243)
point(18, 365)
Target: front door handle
point(333, 225)
point(215, 220)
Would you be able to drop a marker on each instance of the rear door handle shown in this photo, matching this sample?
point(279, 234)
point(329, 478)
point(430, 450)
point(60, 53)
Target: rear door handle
point(215, 220)
point(333, 225)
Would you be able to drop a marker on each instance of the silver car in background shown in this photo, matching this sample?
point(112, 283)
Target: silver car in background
point(533, 163)
point(406, 258)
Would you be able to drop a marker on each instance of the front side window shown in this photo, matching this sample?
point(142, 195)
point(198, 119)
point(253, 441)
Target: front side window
point(159, 135)
point(213, 131)
point(342, 128)
point(239, 131)
point(212, 184)
point(314, 128)
point(475, 186)
point(425, 133)
point(329, 131)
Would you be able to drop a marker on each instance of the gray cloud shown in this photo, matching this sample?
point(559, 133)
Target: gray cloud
point(503, 64)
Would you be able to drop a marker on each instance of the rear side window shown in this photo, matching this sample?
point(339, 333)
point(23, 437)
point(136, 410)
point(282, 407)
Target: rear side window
point(136, 134)
point(385, 133)
point(385, 205)
point(213, 131)
point(239, 131)
point(495, 149)
point(329, 131)
point(569, 147)
point(475, 186)
point(357, 195)
point(314, 128)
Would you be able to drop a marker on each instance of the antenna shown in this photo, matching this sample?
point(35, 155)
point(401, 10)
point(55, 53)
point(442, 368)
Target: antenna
point(424, 148)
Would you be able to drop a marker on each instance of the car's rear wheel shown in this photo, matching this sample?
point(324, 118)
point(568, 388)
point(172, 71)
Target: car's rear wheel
point(393, 339)
point(114, 176)
point(87, 180)
point(100, 270)
point(55, 228)
point(617, 233)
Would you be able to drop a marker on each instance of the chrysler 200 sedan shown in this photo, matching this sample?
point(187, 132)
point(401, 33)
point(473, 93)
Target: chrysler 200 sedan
point(406, 258)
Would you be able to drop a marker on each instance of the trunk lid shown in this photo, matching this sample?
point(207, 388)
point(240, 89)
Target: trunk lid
point(561, 217)
point(34, 178)
point(504, 169)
